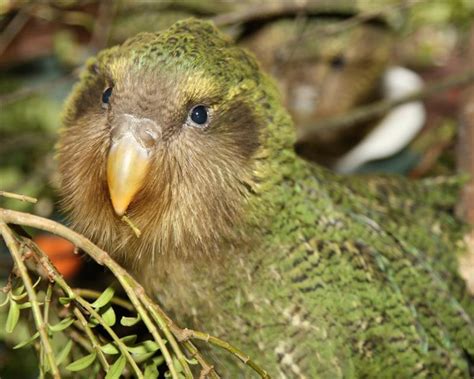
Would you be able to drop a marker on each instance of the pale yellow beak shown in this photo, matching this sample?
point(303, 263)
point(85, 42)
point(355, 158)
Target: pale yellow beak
point(127, 166)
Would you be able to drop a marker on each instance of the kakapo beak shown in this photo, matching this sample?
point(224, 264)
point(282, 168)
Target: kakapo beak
point(127, 166)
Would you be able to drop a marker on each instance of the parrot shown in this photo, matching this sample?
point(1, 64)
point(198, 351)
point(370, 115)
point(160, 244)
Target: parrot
point(311, 274)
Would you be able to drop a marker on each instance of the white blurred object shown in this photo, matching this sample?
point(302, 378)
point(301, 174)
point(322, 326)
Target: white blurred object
point(396, 129)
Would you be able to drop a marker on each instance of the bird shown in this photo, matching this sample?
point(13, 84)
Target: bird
point(311, 274)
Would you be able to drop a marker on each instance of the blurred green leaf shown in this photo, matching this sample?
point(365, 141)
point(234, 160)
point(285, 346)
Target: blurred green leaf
point(145, 347)
point(116, 369)
point(27, 342)
point(13, 316)
point(63, 324)
point(104, 298)
point(64, 352)
point(81, 363)
point(109, 316)
point(129, 321)
point(110, 349)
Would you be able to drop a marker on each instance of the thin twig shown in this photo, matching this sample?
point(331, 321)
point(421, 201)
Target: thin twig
point(52, 273)
point(266, 10)
point(273, 9)
point(47, 303)
point(42, 87)
point(164, 322)
point(76, 337)
point(206, 367)
point(134, 228)
point(9, 239)
point(137, 296)
point(13, 28)
point(92, 338)
point(91, 294)
point(101, 257)
point(130, 286)
point(15, 196)
point(371, 111)
point(103, 24)
point(230, 348)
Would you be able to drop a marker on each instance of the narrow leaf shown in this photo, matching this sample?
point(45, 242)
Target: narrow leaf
point(81, 363)
point(129, 339)
point(117, 368)
point(93, 322)
point(129, 321)
point(110, 349)
point(177, 365)
point(37, 282)
point(64, 352)
point(13, 316)
point(145, 347)
point(27, 342)
point(18, 290)
point(63, 324)
point(104, 298)
point(109, 316)
point(24, 305)
point(151, 372)
point(191, 361)
point(19, 297)
point(65, 300)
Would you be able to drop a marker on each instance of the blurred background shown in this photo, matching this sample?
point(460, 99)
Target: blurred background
point(330, 59)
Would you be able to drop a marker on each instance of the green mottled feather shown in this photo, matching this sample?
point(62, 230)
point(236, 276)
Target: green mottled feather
point(332, 277)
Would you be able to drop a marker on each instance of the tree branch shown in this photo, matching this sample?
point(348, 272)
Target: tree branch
point(41, 327)
point(371, 111)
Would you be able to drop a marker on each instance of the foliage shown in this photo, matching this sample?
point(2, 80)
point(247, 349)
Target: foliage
point(76, 330)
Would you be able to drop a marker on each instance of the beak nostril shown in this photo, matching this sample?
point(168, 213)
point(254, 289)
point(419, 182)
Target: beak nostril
point(146, 131)
point(149, 136)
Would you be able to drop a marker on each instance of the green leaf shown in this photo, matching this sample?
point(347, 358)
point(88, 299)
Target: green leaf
point(37, 282)
point(65, 300)
point(13, 316)
point(18, 297)
point(63, 324)
point(145, 347)
point(64, 352)
point(129, 339)
point(18, 291)
point(104, 298)
point(117, 368)
point(129, 321)
point(27, 342)
point(177, 364)
point(24, 305)
point(81, 363)
point(151, 371)
point(93, 322)
point(110, 349)
point(191, 361)
point(109, 316)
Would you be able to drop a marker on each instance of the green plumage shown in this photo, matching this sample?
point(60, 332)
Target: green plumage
point(314, 275)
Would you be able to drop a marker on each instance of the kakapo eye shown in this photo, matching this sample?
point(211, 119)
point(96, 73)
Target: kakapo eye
point(199, 116)
point(106, 95)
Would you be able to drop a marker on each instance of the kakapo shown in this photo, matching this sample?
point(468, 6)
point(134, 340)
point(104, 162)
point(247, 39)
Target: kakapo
point(311, 274)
